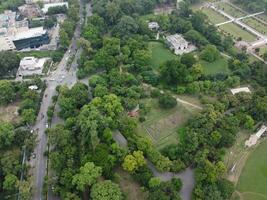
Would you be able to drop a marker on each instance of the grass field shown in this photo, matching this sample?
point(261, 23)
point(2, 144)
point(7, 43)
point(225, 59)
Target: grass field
point(236, 32)
point(218, 66)
point(9, 113)
point(257, 25)
point(253, 180)
point(214, 16)
point(230, 10)
point(161, 124)
point(263, 49)
point(160, 54)
point(129, 187)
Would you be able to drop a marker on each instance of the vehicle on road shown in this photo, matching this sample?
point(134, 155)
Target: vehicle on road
point(33, 155)
point(46, 125)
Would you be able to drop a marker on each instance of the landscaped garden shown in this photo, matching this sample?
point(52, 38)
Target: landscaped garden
point(230, 10)
point(160, 54)
point(237, 33)
point(218, 66)
point(214, 16)
point(257, 25)
point(161, 124)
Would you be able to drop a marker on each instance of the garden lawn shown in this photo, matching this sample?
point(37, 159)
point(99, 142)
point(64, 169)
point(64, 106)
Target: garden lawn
point(160, 54)
point(161, 124)
point(257, 25)
point(214, 16)
point(237, 32)
point(218, 66)
point(253, 180)
point(231, 10)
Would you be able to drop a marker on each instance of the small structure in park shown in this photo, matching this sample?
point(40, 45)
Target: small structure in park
point(253, 139)
point(153, 26)
point(240, 89)
point(31, 66)
point(179, 44)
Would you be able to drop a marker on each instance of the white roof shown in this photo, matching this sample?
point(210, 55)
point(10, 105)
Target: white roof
point(33, 32)
point(176, 39)
point(241, 89)
point(152, 25)
point(26, 61)
point(6, 44)
point(50, 5)
point(261, 131)
point(33, 87)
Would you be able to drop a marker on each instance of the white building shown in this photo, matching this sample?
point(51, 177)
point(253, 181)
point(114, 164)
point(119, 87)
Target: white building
point(240, 89)
point(179, 45)
point(255, 137)
point(43, 1)
point(6, 44)
point(31, 66)
point(153, 25)
point(50, 5)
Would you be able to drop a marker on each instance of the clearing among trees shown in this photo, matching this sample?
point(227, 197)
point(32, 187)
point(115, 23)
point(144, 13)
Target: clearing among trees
point(161, 124)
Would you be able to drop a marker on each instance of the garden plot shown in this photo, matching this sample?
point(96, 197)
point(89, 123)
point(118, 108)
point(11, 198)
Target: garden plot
point(237, 32)
point(231, 10)
point(214, 17)
point(161, 125)
point(257, 25)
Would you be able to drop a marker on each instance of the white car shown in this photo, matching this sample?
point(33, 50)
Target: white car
point(46, 125)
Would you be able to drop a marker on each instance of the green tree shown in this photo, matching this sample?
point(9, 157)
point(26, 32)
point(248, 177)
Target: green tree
point(133, 161)
point(28, 116)
point(7, 92)
point(6, 134)
point(210, 53)
point(106, 190)
point(10, 183)
point(87, 176)
point(167, 101)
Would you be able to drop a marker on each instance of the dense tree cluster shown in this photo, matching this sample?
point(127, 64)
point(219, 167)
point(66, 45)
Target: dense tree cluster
point(9, 63)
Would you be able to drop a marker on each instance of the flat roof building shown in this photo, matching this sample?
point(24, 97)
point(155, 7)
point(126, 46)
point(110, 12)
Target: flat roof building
point(31, 66)
point(240, 89)
point(31, 38)
point(6, 44)
point(179, 45)
point(50, 5)
point(153, 25)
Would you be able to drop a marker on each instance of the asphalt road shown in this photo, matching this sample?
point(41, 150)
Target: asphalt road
point(60, 76)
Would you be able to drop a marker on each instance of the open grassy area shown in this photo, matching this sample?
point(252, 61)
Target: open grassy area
point(160, 54)
point(253, 180)
point(129, 187)
point(230, 10)
point(161, 124)
point(218, 66)
point(237, 32)
point(214, 17)
point(257, 25)
point(235, 157)
point(263, 49)
point(9, 113)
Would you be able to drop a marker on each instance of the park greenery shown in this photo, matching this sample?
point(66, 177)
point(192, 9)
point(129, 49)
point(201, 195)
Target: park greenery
point(16, 138)
point(117, 57)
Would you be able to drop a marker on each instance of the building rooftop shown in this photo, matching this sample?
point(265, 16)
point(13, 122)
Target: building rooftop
point(240, 89)
point(6, 44)
point(176, 39)
point(30, 33)
point(50, 5)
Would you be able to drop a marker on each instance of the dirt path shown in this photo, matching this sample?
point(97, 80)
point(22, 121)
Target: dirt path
point(177, 99)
